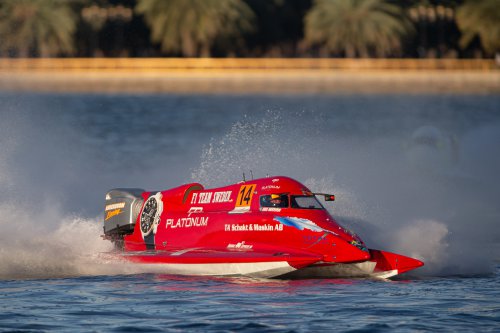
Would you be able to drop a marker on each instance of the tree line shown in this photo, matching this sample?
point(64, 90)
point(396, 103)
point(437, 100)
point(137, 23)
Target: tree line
point(250, 28)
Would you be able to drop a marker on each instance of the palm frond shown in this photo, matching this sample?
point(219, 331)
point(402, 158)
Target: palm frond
point(356, 26)
point(187, 26)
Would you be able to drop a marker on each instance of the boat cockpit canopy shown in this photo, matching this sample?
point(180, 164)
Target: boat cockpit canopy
point(290, 201)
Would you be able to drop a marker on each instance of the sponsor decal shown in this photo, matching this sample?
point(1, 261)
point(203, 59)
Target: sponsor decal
point(236, 227)
point(205, 197)
point(298, 223)
point(187, 222)
point(115, 206)
point(271, 187)
point(240, 246)
point(267, 227)
point(315, 239)
point(271, 209)
point(275, 180)
point(195, 210)
point(253, 227)
point(301, 224)
point(112, 213)
point(244, 200)
point(245, 195)
point(220, 197)
point(211, 197)
point(150, 217)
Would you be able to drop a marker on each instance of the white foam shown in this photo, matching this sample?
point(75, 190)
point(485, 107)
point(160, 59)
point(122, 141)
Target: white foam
point(423, 239)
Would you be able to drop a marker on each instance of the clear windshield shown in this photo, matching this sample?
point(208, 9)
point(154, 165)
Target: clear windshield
point(305, 202)
point(274, 200)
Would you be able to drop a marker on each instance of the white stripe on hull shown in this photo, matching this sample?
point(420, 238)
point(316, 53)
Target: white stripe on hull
point(254, 269)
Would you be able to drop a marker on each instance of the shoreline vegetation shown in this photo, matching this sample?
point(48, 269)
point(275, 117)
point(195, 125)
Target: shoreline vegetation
point(250, 75)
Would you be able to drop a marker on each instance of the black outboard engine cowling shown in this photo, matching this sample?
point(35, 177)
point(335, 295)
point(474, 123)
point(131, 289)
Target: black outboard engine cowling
point(123, 206)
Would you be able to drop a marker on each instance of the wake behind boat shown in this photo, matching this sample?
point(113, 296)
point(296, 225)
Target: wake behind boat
point(268, 227)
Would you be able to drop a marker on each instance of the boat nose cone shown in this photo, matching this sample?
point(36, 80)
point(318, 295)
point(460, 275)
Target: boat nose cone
point(405, 264)
point(391, 261)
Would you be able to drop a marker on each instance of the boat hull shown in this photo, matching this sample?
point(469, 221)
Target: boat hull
point(261, 265)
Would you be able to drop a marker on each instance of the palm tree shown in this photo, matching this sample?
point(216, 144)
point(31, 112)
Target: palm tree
point(39, 27)
point(480, 18)
point(190, 27)
point(356, 27)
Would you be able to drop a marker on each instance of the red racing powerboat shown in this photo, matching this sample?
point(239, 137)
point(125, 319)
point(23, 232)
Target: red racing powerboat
point(269, 227)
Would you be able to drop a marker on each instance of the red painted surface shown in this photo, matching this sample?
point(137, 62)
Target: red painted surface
point(389, 261)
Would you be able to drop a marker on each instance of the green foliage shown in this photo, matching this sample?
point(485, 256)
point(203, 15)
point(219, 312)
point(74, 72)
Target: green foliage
point(190, 27)
point(36, 27)
point(480, 18)
point(356, 27)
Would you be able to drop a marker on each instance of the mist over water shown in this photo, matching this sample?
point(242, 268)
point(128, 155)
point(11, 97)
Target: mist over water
point(400, 195)
point(415, 175)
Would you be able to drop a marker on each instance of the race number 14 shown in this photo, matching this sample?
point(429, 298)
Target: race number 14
point(245, 195)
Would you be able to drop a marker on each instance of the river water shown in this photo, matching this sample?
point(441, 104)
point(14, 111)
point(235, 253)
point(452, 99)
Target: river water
point(417, 175)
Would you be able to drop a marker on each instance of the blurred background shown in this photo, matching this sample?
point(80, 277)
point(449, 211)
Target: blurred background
point(248, 46)
point(250, 28)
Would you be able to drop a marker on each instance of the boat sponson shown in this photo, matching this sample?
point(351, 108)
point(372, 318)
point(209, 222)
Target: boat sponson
point(387, 261)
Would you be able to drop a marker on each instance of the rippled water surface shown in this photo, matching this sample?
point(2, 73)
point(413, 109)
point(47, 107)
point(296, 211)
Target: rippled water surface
point(417, 175)
point(150, 303)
